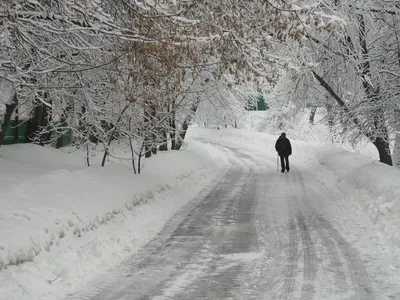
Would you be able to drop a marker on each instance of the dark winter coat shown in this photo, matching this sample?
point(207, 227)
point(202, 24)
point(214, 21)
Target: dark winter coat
point(283, 146)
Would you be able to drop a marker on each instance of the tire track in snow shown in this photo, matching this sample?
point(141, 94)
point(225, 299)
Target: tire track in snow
point(336, 263)
point(212, 213)
point(291, 264)
point(230, 249)
point(358, 275)
point(142, 267)
point(308, 248)
point(309, 256)
point(195, 255)
point(278, 241)
point(326, 243)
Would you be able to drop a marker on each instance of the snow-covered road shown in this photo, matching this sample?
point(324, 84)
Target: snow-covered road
point(308, 257)
point(255, 234)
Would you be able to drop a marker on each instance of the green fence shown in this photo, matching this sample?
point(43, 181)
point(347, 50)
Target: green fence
point(23, 129)
point(19, 134)
point(257, 103)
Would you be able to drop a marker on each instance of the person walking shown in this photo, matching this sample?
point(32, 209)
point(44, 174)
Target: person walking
point(284, 149)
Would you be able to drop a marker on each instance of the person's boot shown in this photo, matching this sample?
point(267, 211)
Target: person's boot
point(287, 169)
point(283, 170)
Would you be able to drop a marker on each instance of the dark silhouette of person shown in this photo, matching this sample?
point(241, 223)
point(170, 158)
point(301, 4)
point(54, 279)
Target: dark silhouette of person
point(284, 149)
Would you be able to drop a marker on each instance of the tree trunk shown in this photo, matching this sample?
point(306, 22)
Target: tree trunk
point(16, 126)
point(396, 150)
point(147, 132)
point(373, 95)
point(186, 124)
point(162, 131)
point(87, 153)
point(39, 121)
point(164, 144)
point(154, 149)
point(7, 117)
point(131, 146)
point(140, 159)
point(384, 151)
point(380, 143)
point(147, 150)
point(39, 113)
point(59, 141)
point(172, 125)
point(182, 133)
point(106, 151)
point(312, 114)
point(133, 155)
point(154, 130)
point(173, 140)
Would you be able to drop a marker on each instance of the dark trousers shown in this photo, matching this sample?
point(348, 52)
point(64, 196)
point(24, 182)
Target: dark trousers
point(283, 159)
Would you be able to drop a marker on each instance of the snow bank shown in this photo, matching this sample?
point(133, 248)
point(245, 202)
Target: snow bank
point(373, 186)
point(381, 181)
point(62, 224)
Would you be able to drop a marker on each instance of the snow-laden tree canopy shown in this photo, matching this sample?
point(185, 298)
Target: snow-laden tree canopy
point(140, 66)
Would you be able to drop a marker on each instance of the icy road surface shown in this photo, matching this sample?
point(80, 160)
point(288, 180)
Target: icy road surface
point(255, 234)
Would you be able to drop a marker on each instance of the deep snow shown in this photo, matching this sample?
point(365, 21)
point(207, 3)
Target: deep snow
point(72, 223)
point(62, 224)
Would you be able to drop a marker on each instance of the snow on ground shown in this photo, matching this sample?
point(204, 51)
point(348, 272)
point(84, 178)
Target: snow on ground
point(377, 181)
point(374, 188)
point(68, 223)
point(62, 224)
point(374, 191)
point(367, 193)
